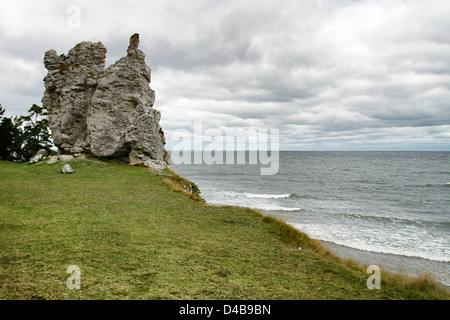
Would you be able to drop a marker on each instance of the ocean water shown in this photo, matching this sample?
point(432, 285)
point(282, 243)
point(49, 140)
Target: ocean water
point(388, 208)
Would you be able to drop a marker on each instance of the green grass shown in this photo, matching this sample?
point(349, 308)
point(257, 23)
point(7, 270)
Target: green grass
point(135, 238)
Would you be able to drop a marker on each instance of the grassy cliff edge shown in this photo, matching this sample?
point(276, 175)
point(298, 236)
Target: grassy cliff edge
point(134, 238)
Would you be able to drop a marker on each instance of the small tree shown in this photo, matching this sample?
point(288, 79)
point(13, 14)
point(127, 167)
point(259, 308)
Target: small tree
point(8, 133)
point(23, 136)
point(35, 133)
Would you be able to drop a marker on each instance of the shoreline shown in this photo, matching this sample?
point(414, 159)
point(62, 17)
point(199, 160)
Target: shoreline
point(438, 271)
point(395, 264)
point(410, 267)
point(171, 246)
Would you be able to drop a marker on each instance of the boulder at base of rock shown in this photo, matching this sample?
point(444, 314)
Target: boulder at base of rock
point(41, 154)
point(65, 157)
point(52, 159)
point(67, 169)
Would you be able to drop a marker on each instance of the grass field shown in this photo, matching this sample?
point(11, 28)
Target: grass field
point(133, 237)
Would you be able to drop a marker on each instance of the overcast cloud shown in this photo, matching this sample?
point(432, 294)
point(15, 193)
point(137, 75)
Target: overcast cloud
point(330, 75)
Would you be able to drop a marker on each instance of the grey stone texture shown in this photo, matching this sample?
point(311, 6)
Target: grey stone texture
point(106, 112)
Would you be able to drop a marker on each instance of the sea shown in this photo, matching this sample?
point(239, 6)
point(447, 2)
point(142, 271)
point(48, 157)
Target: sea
point(390, 209)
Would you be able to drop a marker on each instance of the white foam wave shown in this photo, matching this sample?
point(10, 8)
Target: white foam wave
point(266, 202)
point(340, 237)
point(267, 196)
point(276, 208)
point(265, 207)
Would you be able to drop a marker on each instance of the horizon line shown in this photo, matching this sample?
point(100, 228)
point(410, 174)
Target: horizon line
point(318, 150)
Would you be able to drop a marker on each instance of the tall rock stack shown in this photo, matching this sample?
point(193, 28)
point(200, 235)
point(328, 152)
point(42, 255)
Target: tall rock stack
point(69, 86)
point(108, 113)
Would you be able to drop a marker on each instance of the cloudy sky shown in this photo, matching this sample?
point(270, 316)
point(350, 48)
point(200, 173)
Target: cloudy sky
point(329, 75)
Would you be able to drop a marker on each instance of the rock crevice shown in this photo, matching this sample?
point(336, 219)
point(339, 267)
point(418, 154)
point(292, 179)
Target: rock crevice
point(107, 112)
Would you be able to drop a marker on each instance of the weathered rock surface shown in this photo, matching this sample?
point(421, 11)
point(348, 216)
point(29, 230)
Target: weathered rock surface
point(41, 154)
point(52, 159)
point(69, 86)
point(67, 169)
point(108, 112)
point(65, 157)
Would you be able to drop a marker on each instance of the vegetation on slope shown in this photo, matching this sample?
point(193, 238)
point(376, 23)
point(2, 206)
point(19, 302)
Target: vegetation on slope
point(133, 238)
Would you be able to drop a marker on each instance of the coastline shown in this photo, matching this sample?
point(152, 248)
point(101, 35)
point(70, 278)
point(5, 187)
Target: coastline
point(170, 246)
point(395, 264)
point(411, 267)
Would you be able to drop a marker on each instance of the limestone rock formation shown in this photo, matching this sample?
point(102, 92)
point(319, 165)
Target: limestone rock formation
point(106, 112)
point(69, 86)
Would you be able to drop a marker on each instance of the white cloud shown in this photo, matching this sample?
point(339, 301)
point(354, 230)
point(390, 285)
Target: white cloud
point(328, 74)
